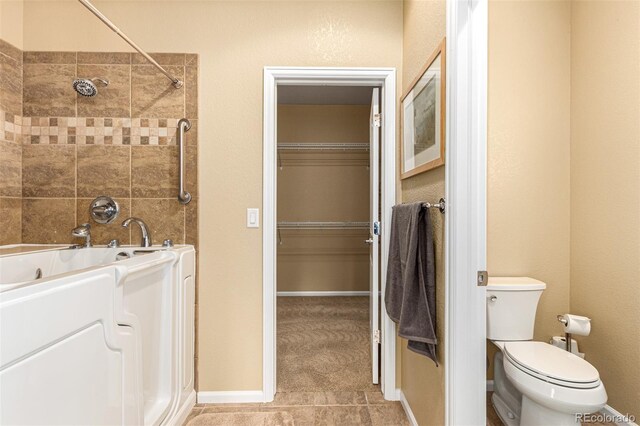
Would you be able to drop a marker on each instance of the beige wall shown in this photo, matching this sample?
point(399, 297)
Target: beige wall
point(235, 41)
point(323, 186)
point(528, 150)
point(11, 22)
point(554, 97)
point(605, 191)
point(421, 381)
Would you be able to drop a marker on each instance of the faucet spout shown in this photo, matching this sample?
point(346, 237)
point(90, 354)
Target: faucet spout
point(144, 230)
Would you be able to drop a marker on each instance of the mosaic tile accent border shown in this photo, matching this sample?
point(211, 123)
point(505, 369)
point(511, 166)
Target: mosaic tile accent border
point(10, 127)
point(88, 130)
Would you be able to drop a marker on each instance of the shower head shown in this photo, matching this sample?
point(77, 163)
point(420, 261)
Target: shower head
point(86, 87)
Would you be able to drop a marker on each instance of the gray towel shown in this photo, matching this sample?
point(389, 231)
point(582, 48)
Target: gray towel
point(410, 295)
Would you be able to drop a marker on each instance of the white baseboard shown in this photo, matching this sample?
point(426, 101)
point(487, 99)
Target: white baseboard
point(230, 397)
point(616, 417)
point(322, 293)
point(407, 409)
point(489, 385)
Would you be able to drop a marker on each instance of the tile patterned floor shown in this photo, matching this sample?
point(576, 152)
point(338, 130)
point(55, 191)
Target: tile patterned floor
point(324, 372)
point(305, 409)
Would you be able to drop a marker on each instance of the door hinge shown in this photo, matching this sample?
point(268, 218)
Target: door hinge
point(376, 228)
point(483, 278)
point(377, 120)
point(376, 337)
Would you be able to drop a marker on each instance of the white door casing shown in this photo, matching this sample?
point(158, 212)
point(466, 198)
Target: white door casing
point(385, 78)
point(374, 249)
point(465, 226)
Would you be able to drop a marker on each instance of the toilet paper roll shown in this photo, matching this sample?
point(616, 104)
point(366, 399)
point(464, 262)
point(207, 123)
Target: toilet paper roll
point(577, 325)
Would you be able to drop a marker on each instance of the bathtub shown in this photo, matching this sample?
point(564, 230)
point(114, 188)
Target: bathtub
point(97, 336)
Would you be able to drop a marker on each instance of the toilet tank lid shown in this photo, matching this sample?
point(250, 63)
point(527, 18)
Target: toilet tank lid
point(514, 284)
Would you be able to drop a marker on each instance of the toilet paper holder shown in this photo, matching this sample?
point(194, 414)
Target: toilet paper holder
point(574, 324)
point(567, 336)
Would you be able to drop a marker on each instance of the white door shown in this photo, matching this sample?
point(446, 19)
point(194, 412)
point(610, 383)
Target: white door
point(374, 231)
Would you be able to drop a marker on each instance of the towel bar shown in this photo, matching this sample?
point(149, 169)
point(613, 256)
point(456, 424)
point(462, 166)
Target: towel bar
point(441, 205)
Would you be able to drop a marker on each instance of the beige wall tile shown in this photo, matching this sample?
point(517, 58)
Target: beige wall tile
point(104, 170)
point(10, 169)
point(48, 91)
point(102, 234)
point(191, 170)
point(191, 223)
point(192, 59)
point(50, 57)
point(10, 85)
point(113, 100)
point(48, 221)
point(161, 58)
point(191, 136)
point(49, 171)
point(152, 94)
point(191, 92)
point(154, 171)
point(123, 58)
point(164, 217)
point(10, 220)
point(13, 52)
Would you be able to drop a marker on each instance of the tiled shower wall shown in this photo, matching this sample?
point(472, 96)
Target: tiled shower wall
point(119, 143)
point(10, 144)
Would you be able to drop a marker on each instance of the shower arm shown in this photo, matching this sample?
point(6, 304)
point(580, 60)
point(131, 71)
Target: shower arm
point(176, 82)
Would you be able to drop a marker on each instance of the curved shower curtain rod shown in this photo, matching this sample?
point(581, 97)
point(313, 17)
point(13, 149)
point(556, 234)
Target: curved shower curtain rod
point(176, 82)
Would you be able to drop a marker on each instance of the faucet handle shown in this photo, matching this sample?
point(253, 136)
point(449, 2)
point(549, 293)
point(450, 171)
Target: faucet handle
point(83, 231)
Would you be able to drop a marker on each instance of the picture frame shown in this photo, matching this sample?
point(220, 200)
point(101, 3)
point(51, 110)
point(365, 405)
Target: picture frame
point(423, 118)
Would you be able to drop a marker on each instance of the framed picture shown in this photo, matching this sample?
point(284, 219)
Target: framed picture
point(423, 118)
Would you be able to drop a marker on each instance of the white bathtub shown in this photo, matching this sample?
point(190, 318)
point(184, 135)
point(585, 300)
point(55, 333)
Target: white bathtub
point(95, 340)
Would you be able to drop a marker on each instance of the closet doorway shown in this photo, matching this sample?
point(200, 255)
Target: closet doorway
point(328, 190)
point(327, 263)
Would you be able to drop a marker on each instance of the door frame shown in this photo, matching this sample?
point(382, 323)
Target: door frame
point(274, 76)
point(465, 225)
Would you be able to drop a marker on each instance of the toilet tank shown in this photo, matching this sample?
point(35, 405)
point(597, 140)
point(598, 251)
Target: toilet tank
point(511, 307)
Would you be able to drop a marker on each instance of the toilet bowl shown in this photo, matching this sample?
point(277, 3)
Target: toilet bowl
point(535, 383)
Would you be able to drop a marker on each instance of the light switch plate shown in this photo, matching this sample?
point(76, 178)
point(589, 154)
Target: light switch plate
point(253, 218)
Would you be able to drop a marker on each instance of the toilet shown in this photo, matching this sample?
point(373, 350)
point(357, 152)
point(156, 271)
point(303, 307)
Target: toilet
point(535, 383)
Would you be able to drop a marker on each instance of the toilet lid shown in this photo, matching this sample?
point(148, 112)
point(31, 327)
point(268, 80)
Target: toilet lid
point(552, 364)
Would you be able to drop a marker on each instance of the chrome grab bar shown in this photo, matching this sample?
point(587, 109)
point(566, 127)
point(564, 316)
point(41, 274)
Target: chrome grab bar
point(183, 125)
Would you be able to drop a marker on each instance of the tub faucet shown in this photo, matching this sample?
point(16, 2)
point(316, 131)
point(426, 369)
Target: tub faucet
point(146, 235)
point(83, 231)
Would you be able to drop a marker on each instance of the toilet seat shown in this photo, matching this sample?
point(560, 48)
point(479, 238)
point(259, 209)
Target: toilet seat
point(551, 364)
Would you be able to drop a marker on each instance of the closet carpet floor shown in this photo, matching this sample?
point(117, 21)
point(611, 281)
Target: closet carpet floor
point(324, 371)
point(323, 344)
